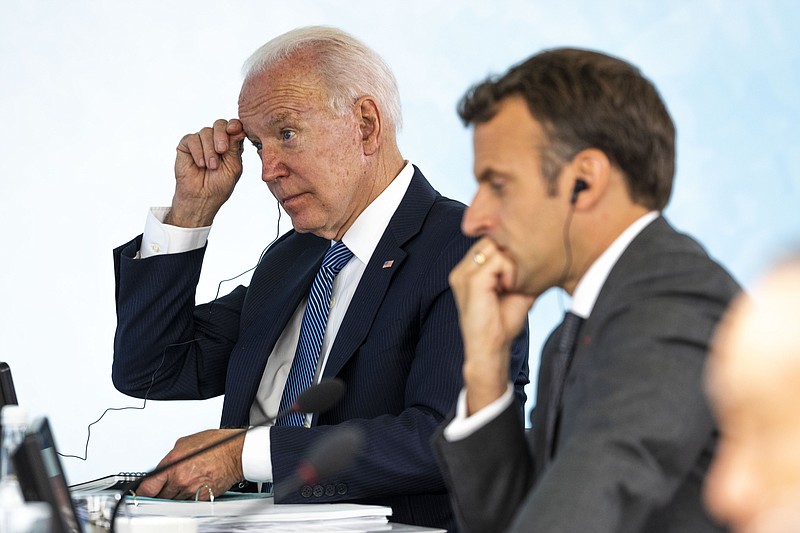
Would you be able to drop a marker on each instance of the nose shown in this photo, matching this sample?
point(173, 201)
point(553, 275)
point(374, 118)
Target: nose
point(271, 167)
point(732, 489)
point(476, 221)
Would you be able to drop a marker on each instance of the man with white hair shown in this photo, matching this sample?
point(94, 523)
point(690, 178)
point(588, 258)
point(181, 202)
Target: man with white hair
point(753, 380)
point(358, 290)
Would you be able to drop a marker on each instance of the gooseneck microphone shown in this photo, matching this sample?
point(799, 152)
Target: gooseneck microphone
point(315, 399)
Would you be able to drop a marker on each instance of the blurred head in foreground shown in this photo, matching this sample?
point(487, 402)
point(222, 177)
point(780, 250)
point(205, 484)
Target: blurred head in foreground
point(753, 380)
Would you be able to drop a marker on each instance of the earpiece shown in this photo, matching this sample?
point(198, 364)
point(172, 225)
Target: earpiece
point(580, 185)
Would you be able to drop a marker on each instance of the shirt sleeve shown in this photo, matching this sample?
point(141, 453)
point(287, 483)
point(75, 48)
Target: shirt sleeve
point(462, 426)
point(160, 238)
point(256, 455)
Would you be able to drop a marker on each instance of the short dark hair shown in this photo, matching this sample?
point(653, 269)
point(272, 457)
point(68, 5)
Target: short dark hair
point(586, 99)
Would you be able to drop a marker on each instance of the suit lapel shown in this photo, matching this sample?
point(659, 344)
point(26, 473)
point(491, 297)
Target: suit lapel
point(365, 304)
point(273, 296)
point(277, 292)
point(634, 260)
point(406, 222)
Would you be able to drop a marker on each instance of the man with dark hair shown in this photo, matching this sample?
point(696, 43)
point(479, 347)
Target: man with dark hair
point(357, 290)
point(574, 158)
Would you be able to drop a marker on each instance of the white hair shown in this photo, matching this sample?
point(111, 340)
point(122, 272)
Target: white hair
point(348, 67)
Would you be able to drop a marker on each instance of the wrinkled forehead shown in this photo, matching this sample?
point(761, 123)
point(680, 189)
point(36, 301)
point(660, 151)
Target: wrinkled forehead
point(299, 70)
point(283, 79)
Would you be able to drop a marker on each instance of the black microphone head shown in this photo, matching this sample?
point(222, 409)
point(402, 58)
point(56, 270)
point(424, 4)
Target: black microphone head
point(320, 397)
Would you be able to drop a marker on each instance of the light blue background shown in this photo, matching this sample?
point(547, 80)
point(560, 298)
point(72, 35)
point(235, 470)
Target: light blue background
point(94, 96)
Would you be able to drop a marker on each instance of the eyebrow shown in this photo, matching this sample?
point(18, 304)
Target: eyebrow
point(280, 118)
point(489, 173)
point(277, 120)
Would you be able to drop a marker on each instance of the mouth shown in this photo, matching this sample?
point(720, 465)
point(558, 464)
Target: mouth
point(288, 201)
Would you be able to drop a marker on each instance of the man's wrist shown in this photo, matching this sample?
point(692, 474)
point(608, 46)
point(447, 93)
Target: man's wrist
point(161, 238)
point(464, 425)
point(478, 399)
point(485, 380)
point(190, 217)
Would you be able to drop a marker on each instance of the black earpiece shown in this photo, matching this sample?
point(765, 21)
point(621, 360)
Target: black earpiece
point(580, 185)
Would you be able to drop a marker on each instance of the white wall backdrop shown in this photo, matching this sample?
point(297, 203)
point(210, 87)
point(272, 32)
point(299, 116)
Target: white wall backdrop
point(94, 96)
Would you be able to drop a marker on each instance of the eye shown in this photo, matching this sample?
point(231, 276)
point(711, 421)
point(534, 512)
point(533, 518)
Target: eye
point(287, 135)
point(496, 184)
point(258, 145)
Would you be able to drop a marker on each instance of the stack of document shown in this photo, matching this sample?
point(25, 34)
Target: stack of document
point(234, 512)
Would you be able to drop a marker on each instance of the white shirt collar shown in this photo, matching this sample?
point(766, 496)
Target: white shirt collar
point(588, 288)
point(363, 236)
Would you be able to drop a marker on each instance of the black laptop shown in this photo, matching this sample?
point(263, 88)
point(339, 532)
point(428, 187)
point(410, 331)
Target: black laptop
point(41, 476)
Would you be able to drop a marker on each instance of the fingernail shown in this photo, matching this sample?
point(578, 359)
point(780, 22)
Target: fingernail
point(221, 146)
point(212, 163)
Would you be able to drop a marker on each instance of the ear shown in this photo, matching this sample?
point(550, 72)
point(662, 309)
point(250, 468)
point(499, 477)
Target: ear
point(592, 167)
point(370, 122)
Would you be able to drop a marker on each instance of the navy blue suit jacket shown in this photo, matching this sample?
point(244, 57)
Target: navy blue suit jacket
point(398, 350)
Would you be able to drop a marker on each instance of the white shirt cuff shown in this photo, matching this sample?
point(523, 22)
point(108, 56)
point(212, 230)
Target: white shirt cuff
point(256, 455)
point(160, 238)
point(462, 426)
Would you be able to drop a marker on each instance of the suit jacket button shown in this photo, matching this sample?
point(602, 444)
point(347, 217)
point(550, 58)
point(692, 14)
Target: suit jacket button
point(330, 490)
point(319, 490)
point(341, 489)
point(305, 492)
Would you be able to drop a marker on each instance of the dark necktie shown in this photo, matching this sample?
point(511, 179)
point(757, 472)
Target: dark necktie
point(312, 331)
point(559, 365)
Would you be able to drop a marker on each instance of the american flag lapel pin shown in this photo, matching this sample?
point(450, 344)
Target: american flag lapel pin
point(388, 264)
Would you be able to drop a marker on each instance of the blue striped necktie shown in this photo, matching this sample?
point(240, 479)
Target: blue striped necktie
point(312, 331)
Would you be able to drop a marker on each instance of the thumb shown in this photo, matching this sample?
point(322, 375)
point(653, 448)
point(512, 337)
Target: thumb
point(236, 145)
point(235, 129)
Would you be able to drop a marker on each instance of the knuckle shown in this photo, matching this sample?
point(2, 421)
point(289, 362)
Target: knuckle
point(186, 139)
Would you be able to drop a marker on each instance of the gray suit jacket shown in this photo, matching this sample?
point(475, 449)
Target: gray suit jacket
point(636, 435)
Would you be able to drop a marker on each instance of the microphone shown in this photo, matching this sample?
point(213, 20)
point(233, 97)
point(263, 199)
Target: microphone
point(315, 399)
point(327, 457)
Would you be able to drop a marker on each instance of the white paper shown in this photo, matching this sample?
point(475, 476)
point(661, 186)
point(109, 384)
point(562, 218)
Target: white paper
point(246, 507)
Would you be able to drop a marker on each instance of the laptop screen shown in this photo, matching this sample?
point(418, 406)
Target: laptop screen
point(8, 396)
point(41, 476)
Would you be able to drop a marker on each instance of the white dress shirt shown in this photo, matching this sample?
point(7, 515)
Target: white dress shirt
point(361, 238)
point(583, 299)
